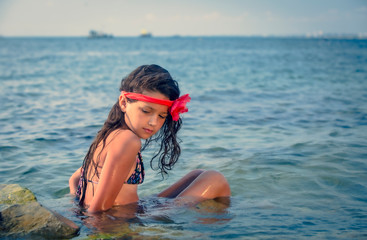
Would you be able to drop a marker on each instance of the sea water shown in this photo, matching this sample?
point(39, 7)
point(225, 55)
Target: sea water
point(284, 119)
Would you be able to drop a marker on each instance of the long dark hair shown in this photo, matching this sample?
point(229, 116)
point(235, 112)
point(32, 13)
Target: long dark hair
point(143, 78)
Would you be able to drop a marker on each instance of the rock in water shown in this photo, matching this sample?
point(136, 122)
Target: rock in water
point(22, 216)
point(15, 194)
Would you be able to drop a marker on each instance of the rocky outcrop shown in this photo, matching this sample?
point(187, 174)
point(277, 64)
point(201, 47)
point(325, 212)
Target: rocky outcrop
point(22, 216)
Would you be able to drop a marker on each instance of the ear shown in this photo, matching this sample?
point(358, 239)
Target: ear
point(122, 102)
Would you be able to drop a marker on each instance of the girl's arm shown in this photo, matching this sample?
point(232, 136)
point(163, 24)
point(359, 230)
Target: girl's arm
point(120, 158)
point(74, 180)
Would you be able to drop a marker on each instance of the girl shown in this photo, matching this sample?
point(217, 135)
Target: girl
point(148, 108)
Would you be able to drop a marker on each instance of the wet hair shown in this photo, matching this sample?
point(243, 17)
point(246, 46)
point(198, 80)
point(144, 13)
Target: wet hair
point(143, 78)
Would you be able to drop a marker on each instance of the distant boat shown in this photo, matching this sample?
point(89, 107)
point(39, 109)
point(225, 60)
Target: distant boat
point(144, 33)
point(96, 34)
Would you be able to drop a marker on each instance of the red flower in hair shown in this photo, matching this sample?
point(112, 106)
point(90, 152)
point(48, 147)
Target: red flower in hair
point(179, 106)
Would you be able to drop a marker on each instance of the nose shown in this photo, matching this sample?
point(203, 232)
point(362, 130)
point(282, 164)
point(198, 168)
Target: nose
point(153, 120)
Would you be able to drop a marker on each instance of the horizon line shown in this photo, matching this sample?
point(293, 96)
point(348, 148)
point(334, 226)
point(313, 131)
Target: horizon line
point(306, 35)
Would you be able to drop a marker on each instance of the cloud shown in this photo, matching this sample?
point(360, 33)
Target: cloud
point(50, 3)
point(207, 17)
point(271, 17)
point(150, 17)
point(213, 16)
point(111, 20)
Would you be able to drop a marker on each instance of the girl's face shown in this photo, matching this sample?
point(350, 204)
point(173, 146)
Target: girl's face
point(144, 118)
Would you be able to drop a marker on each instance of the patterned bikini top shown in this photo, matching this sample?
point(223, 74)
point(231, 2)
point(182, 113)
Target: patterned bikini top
point(137, 177)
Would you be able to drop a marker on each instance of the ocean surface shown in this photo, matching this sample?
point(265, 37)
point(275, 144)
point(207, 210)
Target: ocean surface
point(284, 119)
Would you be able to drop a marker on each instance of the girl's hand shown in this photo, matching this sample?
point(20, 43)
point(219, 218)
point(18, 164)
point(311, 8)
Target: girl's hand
point(74, 180)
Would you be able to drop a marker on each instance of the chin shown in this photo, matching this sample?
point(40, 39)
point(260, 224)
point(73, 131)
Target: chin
point(145, 136)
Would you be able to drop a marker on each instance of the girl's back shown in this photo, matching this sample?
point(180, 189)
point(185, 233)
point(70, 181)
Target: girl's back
point(108, 156)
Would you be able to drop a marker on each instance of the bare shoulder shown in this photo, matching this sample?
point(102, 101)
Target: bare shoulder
point(124, 139)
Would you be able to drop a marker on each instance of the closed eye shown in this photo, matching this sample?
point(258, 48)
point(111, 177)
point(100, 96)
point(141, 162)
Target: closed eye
point(145, 111)
point(149, 110)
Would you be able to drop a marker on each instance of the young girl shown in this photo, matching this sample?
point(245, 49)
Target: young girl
point(148, 108)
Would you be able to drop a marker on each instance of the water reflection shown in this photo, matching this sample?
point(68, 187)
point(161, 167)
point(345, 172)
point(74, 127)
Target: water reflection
point(156, 217)
point(213, 211)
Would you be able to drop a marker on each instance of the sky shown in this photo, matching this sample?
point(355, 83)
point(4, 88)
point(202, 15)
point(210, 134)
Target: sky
point(183, 17)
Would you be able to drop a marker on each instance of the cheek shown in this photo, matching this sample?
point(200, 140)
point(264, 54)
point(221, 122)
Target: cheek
point(161, 122)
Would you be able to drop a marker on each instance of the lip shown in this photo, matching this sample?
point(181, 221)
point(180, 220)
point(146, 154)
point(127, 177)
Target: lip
point(148, 130)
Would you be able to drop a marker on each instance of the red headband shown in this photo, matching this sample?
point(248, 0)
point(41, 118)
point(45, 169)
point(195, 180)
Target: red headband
point(175, 107)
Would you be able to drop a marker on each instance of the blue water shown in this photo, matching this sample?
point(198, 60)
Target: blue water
point(284, 119)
